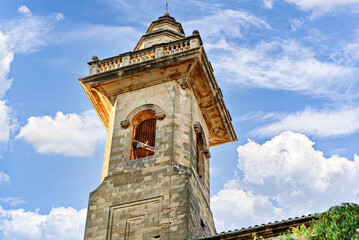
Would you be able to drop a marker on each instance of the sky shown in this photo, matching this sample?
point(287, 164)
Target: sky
point(288, 70)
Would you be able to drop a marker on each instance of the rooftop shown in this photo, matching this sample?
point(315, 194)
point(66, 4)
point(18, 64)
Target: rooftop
point(269, 230)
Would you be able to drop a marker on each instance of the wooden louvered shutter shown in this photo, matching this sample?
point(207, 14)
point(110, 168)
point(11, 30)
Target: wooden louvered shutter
point(144, 138)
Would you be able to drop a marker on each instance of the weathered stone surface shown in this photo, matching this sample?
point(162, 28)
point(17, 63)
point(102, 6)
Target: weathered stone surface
point(165, 195)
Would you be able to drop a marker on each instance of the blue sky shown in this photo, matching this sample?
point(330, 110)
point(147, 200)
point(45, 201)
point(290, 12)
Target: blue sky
point(288, 70)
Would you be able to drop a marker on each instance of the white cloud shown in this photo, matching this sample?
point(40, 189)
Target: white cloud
point(286, 65)
point(4, 178)
point(348, 55)
point(69, 135)
point(234, 208)
point(225, 23)
point(127, 8)
point(321, 6)
point(60, 223)
point(268, 4)
point(12, 201)
point(6, 57)
point(101, 40)
point(296, 23)
point(28, 33)
point(288, 171)
point(59, 16)
point(310, 121)
point(24, 11)
point(259, 116)
point(8, 123)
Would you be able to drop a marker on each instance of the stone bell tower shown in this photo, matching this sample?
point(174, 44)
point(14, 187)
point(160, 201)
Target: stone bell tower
point(162, 109)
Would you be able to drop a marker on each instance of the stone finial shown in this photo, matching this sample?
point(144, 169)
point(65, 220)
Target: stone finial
point(94, 58)
point(160, 115)
point(125, 124)
point(195, 32)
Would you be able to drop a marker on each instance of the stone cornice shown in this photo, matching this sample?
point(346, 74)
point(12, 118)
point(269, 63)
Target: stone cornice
point(189, 67)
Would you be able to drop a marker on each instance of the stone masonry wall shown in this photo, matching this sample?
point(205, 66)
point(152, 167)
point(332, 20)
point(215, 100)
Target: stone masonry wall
point(160, 196)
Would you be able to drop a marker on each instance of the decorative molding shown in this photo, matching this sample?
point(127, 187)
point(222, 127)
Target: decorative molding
point(112, 99)
point(206, 153)
point(151, 203)
point(125, 124)
point(183, 82)
point(197, 128)
point(160, 114)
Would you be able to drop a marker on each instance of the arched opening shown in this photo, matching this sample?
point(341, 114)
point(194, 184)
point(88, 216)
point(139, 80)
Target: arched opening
point(144, 134)
point(200, 156)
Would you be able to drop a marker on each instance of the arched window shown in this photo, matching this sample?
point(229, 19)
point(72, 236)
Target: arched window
point(199, 155)
point(144, 134)
point(200, 152)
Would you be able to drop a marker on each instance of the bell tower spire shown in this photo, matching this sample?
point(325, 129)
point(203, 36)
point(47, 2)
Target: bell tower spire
point(163, 110)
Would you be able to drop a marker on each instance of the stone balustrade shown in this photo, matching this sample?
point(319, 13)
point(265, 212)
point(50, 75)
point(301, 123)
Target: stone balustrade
point(156, 51)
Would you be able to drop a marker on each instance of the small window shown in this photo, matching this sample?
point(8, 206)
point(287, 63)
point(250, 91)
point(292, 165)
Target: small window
point(144, 135)
point(199, 164)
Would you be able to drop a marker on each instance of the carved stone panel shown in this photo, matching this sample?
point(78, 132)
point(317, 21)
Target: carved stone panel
point(135, 220)
point(134, 228)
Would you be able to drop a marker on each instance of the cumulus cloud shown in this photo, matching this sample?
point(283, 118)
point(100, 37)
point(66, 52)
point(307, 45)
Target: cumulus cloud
point(288, 172)
point(60, 223)
point(233, 207)
point(65, 134)
point(310, 121)
point(29, 32)
point(286, 65)
point(4, 178)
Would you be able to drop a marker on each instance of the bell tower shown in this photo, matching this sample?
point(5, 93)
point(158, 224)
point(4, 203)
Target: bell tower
point(162, 109)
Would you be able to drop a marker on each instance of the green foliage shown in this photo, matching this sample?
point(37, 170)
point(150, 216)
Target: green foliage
point(338, 223)
point(286, 236)
point(300, 233)
point(255, 237)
